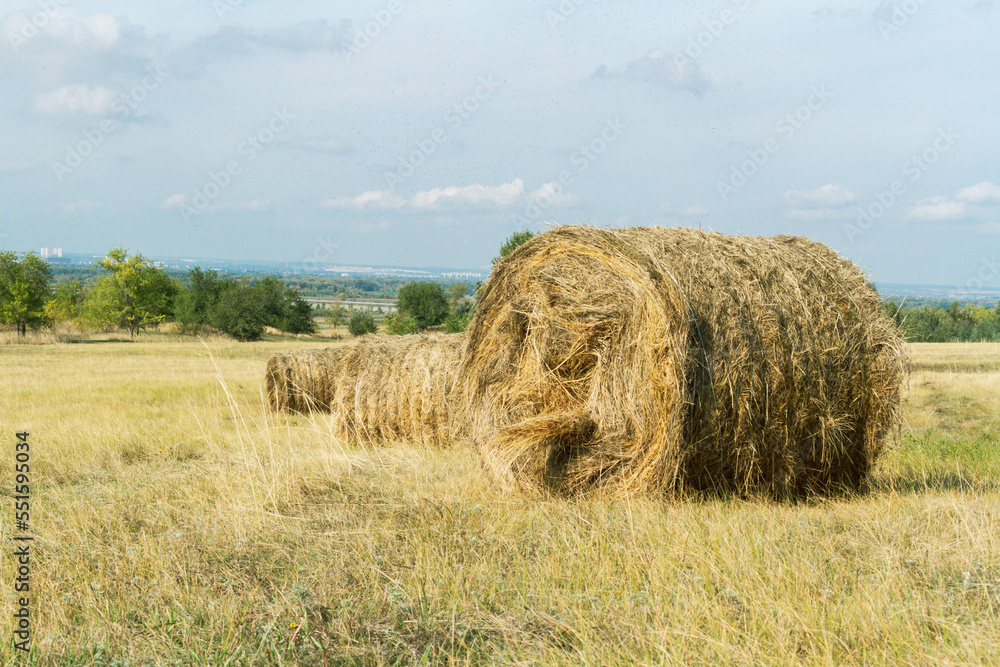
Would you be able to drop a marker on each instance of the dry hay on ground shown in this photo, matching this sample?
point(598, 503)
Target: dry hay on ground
point(379, 388)
point(665, 359)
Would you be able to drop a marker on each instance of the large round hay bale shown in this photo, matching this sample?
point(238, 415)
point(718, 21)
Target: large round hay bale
point(379, 388)
point(663, 359)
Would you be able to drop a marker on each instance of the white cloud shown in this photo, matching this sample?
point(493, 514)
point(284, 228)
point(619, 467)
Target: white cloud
point(80, 207)
point(980, 193)
point(551, 194)
point(825, 202)
point(937, 208)
point(333, 145)
point(673, 71)
point(372, 198)
point(694, 211)
point(254, 205)
point(76, 99)
point(827, 196)
point(174, 201)
point(98, 31)
point(476, 194)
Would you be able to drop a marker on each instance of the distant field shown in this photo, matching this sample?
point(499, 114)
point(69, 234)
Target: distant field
point(178, 522)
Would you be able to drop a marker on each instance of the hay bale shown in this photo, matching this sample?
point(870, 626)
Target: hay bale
point(379, 388)
point(664, 359)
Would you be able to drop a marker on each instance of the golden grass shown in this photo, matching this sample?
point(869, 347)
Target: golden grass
point(179, 521)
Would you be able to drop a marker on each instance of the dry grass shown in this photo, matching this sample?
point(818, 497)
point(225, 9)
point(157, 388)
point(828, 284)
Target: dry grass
point(656, 360)
point(179, 521)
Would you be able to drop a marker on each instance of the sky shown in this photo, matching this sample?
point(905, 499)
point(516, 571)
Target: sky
point(424, 132)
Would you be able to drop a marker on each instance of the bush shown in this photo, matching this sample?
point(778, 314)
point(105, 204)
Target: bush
point(425, 302)
point(400, 324)
point(361, 323)
point(239, 312)
point(457, 323)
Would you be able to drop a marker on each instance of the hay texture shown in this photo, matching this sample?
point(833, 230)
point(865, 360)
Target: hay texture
point(379, 389)
point(662, 359)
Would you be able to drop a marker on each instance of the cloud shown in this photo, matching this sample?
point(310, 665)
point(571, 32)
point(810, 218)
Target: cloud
point(174, 201)
point(551, 194)
point(827, 196)
point(694, 211)
point(254, 205)
point(468, 196)
point(980, 193)
point(76, 99)
point(333, 146)
point(372, 199)
point(80, 207)
point(97, 31)
point(318, 35)
point(476, 194)
point(936, 209)
point(672, 71)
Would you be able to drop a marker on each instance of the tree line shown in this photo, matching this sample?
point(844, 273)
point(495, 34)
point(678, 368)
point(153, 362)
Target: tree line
point(134, 295)
point(954, 323)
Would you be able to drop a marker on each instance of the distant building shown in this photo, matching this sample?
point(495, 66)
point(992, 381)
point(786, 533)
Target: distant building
point(54, 256)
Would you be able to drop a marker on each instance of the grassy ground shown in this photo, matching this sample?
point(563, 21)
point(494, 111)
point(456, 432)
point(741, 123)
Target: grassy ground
point(180, 523)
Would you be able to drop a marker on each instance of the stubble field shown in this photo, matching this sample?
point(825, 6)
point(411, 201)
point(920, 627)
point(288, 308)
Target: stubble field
point(177, 521)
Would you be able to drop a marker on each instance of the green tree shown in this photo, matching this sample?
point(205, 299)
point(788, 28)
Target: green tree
point(513, 241)
point(283, 308)
point(239, 311)
point(25, 286)
point(361, 323)
point(455, 294)
point(192, 305)
point(134, 295)
point(67, 302)
point(337, 316)
point(423, 301)
point(400, 324)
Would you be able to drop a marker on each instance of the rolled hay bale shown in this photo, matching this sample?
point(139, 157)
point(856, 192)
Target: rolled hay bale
point(662, 359)
point(379, 389)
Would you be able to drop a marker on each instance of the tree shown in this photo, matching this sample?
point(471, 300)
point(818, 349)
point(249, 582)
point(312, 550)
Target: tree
point(283, 308)
point(337, 316)
point(134, 295)
point(239, 311)
point(455, 294)
point(361, 323)
point(513, 242)
point(67, 303)
point(424, 302)
point(400, 324)
point(192, 305)
point(25, 286)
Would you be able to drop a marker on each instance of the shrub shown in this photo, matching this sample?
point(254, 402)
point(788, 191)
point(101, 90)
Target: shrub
point(361, 323)
point(400, 324)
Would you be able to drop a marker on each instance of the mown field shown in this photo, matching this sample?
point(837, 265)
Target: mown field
point(178, 522)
